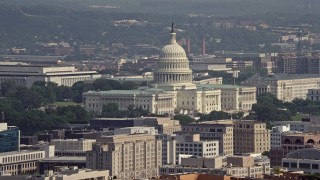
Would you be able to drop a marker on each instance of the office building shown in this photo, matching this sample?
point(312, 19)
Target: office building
point(285, 87)
point(26, 75)
point(250, 137)
point(190, 144)
point(72, 147)
point(306, 160)
point(275, 135)
point(313, 95)
point(214, 131)
point(23, 162)
point(235, 98)
point(127, 156)
point(9, 138)
point(51, 163)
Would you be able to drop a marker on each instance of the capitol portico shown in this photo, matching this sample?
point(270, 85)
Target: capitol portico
point(172, 91)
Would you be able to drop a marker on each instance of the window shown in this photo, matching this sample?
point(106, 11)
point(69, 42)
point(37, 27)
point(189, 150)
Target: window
point(315, 166)
point(293, 165)
point(304, 165)
point(285, 164)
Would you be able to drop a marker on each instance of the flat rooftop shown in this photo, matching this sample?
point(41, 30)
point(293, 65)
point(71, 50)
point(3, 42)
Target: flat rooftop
point(17, 152)
point(64, 159)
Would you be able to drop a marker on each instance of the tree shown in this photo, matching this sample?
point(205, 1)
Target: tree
point(8, 88)
point(215, 115)
point(184, 119)
point(110, 110)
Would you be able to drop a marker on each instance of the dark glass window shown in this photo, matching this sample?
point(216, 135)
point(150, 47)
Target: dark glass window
point(315, 166)
point(285, 164)
point(293, 165)
point(304, 165)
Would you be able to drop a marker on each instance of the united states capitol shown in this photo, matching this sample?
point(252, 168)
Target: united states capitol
point(173, 90)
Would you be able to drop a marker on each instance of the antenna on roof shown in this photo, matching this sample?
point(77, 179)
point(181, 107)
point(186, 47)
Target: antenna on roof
point(172, 28)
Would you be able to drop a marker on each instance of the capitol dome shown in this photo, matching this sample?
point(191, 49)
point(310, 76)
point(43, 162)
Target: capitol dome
point(173, 50)
point(173, 66)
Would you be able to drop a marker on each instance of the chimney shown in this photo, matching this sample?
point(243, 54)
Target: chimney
point(203, 46)
point(188, 45)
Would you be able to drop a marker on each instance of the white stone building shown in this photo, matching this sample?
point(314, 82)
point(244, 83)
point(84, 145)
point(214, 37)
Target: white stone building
point(21, 162)
point(285, 87)
point(173, 90)
point(25, 75)
point(275, 133)
point(190, 144)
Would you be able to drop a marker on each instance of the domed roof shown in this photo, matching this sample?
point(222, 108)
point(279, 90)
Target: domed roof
point(173, 49)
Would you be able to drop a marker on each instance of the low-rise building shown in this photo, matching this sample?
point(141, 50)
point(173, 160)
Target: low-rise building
point(299, 126)
point(20, 162)
point(135, 130)
point(155, 101)
point(26, 75)
point(285, 87)
point(72, 147)
point(306, 160)
point(252, 170)
point(72, 173)
point(51, 163)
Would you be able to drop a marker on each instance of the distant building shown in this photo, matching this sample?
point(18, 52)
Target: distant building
point(154, 100)
point(171, 91)
point(233, 97)
point(64, 173)
point(300, 126)
point(26, 75)
point(21, 162)
point(190, 144)
point(9, 138)
point(285, 87)
point(72, 147)
point(162, 125)
point(251, 137)
point(243, 167)
point(221, 132)
point(306, 160)
point(197, 161)
point(51, 163)
point(276, 133)
point(292, 141)
point(313, 95)
point(127, 156)
point(135, 130)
